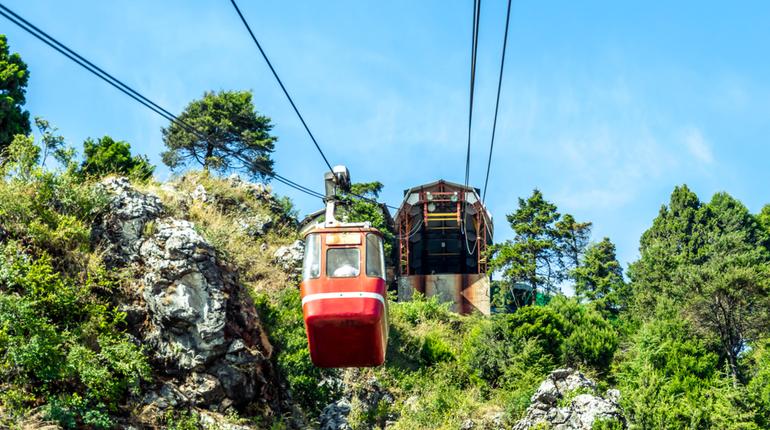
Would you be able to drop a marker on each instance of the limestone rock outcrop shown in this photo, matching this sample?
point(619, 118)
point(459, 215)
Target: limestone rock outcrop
point(567, 400)
point(290, 257)
point(364, 394)
point(202, 332)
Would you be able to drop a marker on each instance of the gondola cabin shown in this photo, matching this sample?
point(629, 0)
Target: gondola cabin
point(344, 296)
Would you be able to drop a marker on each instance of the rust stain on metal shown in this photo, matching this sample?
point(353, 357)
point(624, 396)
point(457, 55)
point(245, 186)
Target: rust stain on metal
point(468, 293)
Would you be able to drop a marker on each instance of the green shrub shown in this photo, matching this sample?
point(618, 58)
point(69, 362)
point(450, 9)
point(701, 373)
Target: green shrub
point(50, 212)
point(540, 323)
point(61, 344)
point(70, 410)
point(759, 386)
point(282, 317)
point(608, 424)
point(590, 339)
point(671, 380)
point(435, 349)
point(421, 309)
point(106, 156)
point(182, 420)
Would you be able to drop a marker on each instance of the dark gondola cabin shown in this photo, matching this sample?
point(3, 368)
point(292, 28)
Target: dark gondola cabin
point(344, 295)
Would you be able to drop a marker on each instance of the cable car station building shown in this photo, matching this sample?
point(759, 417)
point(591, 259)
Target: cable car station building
point(443, 231)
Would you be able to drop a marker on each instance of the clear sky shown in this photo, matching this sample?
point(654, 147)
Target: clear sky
point(606, 105)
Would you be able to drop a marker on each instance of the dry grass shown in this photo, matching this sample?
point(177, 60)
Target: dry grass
point(217, 221)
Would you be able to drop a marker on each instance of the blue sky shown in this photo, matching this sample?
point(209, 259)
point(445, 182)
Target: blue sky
point(606, 106)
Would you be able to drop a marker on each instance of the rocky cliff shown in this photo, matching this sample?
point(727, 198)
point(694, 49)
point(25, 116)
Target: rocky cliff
point(185, 304)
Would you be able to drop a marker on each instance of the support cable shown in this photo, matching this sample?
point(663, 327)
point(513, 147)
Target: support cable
point(291, 101)
point(474, 51)
point(277, 78)
point(127, 90)
point(497, 102)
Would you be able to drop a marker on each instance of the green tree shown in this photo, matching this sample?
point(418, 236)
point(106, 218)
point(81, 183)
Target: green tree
point(676, 238)
point(763, 218)
point(707, 258)
point(728, 295)
point(106, 156)
point(53, 144)
point(228, 135)
point(545, 247)
point(671, 378)
point(599, 277)
point(572, 239)
point(13, 83)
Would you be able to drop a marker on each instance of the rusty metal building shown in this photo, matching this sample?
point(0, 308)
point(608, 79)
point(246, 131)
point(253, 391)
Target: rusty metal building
point(443, 231)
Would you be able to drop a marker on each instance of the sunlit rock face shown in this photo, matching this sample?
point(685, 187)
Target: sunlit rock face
point(584, 405)
point(197, 323)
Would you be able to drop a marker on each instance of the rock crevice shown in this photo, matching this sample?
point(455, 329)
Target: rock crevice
point(202, 332)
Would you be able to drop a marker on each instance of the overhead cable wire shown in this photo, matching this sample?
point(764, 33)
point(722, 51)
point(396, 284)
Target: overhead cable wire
point(277, 78)
point(127, 90)
point(497, 101)
point(291, 101)
point(474, 51)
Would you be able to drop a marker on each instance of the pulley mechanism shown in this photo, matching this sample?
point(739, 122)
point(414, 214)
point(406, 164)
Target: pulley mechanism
point(336, 181)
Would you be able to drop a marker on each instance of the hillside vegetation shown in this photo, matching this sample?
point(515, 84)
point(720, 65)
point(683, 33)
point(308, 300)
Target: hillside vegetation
point(130, 303)
point(685, 342)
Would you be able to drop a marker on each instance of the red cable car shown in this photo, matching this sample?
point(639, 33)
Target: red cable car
point(344, 295)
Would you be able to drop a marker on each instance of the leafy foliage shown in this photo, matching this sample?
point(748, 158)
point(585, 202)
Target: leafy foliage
point(229, 135)
point(671, 380)
point(106, 156)
point(710, 259)
point(546, 245)
point(61, 340)
point(14, 120)
point(599, 277)
point(283, 318)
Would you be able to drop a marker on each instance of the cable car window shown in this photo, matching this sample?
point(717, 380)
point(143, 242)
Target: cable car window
point(375, 258)
point(311, 266)
point(343, 262)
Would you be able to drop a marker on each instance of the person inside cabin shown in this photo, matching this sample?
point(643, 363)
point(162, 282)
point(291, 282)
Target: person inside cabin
point(343, 262)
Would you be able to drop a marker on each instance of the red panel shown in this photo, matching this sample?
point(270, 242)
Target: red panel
point(350, 331)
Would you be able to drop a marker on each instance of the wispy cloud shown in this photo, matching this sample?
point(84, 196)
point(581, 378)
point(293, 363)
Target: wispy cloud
point(697, 146)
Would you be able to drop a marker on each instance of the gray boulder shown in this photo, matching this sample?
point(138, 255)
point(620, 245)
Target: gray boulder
point(585, 408)
point(121, 229)
point(204, 338)
point(365, 396)
point(290, 257)
point(255, 225)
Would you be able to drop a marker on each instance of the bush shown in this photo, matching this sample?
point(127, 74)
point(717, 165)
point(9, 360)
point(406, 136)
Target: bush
point(543, 324)
point(671, 380)
point(590, 339)
point(282, 317)
point(60, 342)
point(106, 156)
point(759, 386)
point(608, 424)
point(50, 212)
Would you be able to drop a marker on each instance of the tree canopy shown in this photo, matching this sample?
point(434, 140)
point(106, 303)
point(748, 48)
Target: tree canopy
point(222, 132)
point(709, 259)
point(546, 245)
point(106, 155)
point(13, 86)
point(599, 277)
